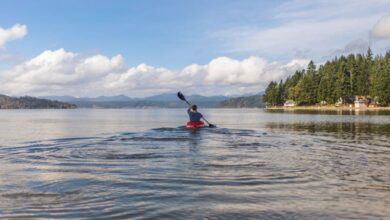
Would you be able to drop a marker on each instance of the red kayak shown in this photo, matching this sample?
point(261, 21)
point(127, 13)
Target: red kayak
point(195, 124)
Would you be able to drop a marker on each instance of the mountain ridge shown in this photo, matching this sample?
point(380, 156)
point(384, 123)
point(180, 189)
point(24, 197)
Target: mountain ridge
point(164, 100)
point(253, 101)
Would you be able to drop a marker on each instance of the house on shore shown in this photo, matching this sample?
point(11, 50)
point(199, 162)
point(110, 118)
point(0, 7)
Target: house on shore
point(362, 102)
point(345, 100)
point(358, 102)
point(322, 103)
point(289, 103)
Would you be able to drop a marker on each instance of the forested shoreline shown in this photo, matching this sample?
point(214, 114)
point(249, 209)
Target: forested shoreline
point(339, 79)
point(27, 102)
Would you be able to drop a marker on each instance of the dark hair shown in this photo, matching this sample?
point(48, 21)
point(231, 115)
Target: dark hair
point(194, 108)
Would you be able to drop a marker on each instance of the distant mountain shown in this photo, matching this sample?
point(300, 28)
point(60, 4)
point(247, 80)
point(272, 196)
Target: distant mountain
point(119, 98)
point(27, 102)
point(194, 98)
point(165, 97)
point(253, 101)
point(59, 98)
point(166, 100)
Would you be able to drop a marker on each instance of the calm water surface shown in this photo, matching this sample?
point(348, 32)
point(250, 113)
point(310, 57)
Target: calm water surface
point(142, 164)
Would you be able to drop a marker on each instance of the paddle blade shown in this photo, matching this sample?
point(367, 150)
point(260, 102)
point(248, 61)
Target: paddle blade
point(212, 126)
point(181, 96)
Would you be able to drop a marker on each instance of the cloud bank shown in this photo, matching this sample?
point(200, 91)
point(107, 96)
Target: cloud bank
point(60, 72)
point(16, 32)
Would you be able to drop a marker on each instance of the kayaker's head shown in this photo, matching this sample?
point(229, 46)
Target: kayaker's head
point(194, 108)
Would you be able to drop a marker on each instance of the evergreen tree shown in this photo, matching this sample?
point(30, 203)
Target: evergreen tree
point(339, 78)
point(281, 96)
point(271, 93)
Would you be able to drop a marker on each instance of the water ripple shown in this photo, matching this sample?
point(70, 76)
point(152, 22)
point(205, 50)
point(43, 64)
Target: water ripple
point(218, 173)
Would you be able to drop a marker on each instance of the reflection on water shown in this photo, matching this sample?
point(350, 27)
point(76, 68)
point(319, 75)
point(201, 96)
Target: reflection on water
point(351, 111)
point(351, 129)
point(283, 167)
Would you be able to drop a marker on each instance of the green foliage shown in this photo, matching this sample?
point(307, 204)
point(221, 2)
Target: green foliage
point(359, 74)
point(271, 94)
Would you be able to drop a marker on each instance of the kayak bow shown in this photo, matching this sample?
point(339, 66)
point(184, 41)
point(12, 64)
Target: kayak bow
point(195, 124)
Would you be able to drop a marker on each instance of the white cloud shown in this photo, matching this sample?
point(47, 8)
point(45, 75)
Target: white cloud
point(253, 70)
point(16, 32)
point(56, 72)
point(318, 28)
point(330, 9)
point(319, 38)
point(99, 65)
point(381, 29)
point(65, 73)
point(221, 75)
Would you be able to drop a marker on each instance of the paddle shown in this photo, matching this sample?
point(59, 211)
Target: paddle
point(181, 96)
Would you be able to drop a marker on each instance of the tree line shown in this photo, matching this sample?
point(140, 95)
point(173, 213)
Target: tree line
point(27, 102)
point(345, 76)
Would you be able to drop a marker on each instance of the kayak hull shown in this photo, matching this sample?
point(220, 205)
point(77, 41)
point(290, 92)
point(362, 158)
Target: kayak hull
point(195, 124)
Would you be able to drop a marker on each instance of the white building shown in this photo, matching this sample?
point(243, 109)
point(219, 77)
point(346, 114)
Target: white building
point(289, 103)
point(360, 102)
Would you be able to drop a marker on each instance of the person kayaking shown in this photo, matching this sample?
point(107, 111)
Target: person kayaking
point(195, 117)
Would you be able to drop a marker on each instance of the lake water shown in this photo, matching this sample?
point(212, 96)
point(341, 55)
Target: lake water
point(142, 164)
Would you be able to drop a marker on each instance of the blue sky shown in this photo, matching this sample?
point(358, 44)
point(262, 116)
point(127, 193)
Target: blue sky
point(140, 48)
point(163, 33)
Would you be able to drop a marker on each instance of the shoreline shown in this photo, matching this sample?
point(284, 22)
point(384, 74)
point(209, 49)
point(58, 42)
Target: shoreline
point(328, 108)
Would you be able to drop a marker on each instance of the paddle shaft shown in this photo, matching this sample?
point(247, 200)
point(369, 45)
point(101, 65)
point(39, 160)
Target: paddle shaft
point(207, 121)
point(187, 102)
